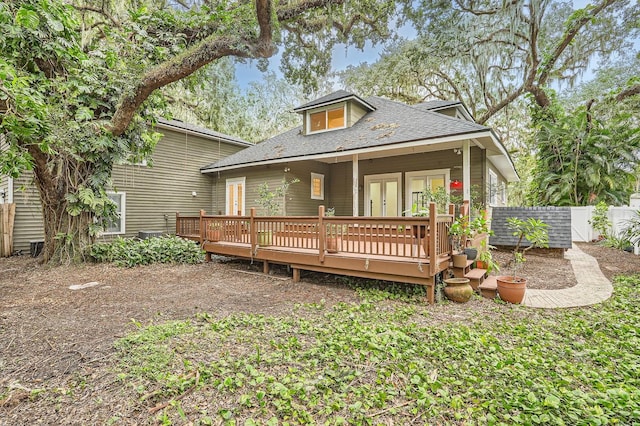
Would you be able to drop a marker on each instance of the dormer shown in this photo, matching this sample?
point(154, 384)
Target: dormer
point(338, 110)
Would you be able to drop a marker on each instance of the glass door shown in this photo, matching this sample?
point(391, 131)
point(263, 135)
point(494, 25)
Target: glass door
point(382, 195)
point(235, 197)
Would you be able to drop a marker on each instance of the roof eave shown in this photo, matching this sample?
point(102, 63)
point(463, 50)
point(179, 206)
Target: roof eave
point(169, 126)
point(398, 145)
point(361, 101)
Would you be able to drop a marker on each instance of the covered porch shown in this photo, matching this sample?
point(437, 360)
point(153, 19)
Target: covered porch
point(404, 249)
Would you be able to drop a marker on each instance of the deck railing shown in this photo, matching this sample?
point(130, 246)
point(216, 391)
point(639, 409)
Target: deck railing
point(420, 238)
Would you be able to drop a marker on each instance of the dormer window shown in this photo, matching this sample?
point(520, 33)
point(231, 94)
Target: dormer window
point(327, 119)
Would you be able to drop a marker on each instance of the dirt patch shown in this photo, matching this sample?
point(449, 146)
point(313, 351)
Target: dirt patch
point(51, 335)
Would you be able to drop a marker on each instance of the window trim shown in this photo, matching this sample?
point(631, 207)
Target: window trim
point(123, 213)
point(321, 177)
point(326, 110)
point(427, 174)
point(493, 188)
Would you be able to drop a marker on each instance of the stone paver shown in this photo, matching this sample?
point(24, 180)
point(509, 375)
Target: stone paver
point(592, 287)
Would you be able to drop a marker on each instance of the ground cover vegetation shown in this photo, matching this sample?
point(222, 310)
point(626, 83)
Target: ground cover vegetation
point(132, 252)
point(79, 80)
point(377, 361)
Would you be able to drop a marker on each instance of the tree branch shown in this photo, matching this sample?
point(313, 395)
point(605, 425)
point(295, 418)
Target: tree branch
point(633, 90)
point(569, 35)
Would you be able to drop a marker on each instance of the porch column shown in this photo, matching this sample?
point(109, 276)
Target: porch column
point(466, 171)
point(354, 168)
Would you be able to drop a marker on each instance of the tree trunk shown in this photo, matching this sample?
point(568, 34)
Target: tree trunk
point(66, 237)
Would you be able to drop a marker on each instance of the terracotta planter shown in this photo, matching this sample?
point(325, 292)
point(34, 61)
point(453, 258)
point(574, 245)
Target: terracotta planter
point(332, 244)
point(458, 289)
point(511, 289)
point(482, 265)
point(459, 260)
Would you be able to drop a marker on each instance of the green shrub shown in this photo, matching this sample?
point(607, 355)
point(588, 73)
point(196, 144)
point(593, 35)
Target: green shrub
point(132, 252)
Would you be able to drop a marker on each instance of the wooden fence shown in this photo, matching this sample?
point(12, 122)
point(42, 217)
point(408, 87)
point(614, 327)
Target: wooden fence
point(7, 217)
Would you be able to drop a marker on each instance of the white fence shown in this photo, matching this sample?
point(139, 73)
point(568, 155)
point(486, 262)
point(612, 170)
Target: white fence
point(581, 230)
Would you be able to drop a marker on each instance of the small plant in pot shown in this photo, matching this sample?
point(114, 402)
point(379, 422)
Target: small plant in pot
point(511, 288)
point(458, 232)
point(485, 259)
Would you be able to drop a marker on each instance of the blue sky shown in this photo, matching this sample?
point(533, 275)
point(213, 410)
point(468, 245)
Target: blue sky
point(343, 56)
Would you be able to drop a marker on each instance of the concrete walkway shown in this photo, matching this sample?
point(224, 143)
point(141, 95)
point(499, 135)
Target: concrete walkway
point(593, 287)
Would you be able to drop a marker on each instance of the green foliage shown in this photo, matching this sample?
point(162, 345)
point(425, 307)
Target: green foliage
point(581, 160)
point(533, 232)
point(600, 219)
point(131, 252)
point(391, 363)
point(273, 201)
point(439, 196)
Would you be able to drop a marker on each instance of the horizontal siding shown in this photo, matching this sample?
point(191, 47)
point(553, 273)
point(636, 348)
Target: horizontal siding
point(155, 194)
point(28, 221)
point(299, 202)
point(338, 181)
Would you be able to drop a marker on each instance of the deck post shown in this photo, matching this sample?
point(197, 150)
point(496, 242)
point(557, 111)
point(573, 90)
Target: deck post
point(296, 275)
point(321, 233)
point(433, 239)
point(202, 226)
point(265, 267)
point(253, 236)
point(177, 223)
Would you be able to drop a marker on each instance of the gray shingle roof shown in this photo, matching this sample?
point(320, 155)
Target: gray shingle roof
point(202, 131)
point(558, 219)
point(391, 123)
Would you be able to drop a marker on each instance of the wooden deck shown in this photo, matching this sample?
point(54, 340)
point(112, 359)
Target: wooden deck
point(391, 249)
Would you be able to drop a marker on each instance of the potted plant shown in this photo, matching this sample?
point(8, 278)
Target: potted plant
point(478, 232)
point(512, 288)
point(271, 201)
point(485, 258)
point(458, 232)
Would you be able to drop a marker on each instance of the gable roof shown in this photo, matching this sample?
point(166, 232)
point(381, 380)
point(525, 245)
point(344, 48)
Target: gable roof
point(338, 96)
point(182, 127)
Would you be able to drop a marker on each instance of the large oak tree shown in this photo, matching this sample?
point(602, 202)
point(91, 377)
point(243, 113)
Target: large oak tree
point(78, 83)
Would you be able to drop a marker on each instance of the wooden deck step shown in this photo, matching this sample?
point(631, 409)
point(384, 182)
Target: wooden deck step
point(489, 288)
point(476, 277)
point(461, 272)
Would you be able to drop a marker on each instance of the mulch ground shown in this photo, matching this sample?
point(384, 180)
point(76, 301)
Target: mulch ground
point(51, 336)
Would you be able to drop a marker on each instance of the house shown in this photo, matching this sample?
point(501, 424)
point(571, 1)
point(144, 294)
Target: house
point(147, 197)
point(367, 157)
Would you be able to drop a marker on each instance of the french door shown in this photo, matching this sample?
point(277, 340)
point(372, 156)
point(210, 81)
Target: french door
point(235, 197)
point(382, 195)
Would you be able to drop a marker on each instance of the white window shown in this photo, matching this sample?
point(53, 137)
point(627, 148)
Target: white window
point(493, 188)
point(317, 186)
point(327, 119)
point(417, 182)
point(116, 226)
